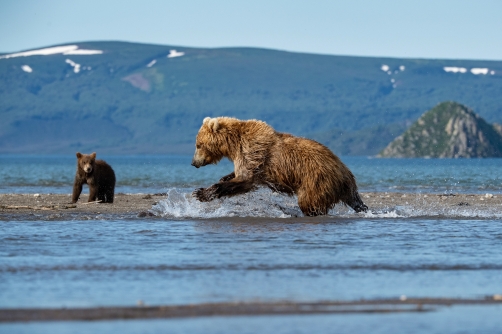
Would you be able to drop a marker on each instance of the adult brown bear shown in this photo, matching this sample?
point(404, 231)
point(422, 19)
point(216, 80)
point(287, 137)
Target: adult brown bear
point(285, 163)
point(98, 175)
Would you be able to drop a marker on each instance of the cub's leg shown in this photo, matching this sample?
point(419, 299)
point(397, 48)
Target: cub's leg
point(93, 192)
point(109, 194)
point(77, 190)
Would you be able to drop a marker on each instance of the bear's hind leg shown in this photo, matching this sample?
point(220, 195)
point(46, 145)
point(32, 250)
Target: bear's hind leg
point(109, 195)
point(356, 203)
point(105, 195)
point(309, 206)
point(101, 197)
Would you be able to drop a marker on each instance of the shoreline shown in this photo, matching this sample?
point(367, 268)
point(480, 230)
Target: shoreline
point(59, 206)
point(375, 306)
point(50, 204)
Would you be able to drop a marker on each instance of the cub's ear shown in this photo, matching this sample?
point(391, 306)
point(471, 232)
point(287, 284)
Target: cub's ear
point(79, 155)
point(93, 155)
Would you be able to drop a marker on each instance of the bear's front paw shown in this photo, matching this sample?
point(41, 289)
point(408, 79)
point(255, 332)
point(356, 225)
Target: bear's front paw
point(204, 194)
point(227, 177)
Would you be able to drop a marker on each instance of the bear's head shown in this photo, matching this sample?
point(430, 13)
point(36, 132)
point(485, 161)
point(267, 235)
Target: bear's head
point(214, 139)
point(86, 162)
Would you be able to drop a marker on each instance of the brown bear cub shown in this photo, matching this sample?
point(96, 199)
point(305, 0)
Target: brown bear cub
point(98, 175)
point(284, 163)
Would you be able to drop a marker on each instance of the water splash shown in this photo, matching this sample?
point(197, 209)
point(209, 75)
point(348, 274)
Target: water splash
point(423, 211)
point(382, 214)
point(267, 204)
point(260, 203)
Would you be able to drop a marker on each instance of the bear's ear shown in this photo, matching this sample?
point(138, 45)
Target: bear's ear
point(213, 124)
point(93, 155)
point(79, 155)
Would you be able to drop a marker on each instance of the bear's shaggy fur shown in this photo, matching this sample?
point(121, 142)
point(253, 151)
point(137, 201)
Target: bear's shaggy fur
point(98, 175)
point(283, 162)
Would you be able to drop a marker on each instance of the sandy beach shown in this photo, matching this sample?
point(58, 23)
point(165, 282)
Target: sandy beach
point(242, 309)
point(60, 205)
point(53, 206)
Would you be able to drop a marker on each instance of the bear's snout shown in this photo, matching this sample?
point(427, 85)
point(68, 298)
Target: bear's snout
point(198, 163)
point(198, 160)
point(88, 169)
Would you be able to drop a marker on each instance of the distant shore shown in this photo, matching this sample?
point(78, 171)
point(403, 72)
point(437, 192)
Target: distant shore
point(58, 206)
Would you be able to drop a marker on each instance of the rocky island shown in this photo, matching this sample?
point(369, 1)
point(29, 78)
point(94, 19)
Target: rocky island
point(449, 130)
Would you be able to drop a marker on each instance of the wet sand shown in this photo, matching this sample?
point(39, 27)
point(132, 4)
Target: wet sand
point(55, 206)
point(402, 304)
point(60, 205)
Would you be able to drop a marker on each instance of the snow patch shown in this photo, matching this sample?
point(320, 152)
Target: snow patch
point(174, 53)
point(474, 70)
point(150, 64)
point(83, 52)
point(455, 69)
point(26, 68)
point(385, 68)
point(477, 71)
point(76, 67)
point(66, 50)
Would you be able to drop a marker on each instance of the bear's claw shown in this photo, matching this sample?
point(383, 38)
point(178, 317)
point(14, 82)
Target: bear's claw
point(204, 194)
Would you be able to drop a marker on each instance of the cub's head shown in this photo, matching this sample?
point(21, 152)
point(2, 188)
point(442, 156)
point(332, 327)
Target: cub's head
point(86, 162)
point(214, 140)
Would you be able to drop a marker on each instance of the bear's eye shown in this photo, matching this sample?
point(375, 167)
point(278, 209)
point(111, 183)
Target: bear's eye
point(198, 146)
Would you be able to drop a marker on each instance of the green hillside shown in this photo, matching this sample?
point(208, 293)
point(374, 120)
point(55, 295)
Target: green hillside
point(449, 130)
point(116, 103)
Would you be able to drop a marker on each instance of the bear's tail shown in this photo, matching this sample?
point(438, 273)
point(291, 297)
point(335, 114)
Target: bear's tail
point(357, 204)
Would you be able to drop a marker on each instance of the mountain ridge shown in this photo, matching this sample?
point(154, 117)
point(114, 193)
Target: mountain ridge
point(117, 103)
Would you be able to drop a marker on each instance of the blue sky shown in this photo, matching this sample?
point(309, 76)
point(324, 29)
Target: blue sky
point(455, 29)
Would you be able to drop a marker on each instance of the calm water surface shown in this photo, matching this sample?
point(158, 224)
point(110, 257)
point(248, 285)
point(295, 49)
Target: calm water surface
point(89, 263)
point(147, 174)
point(219, 258)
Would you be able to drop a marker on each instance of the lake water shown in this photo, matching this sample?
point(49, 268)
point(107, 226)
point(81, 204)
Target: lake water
point(191, 254)
point(150, 174)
